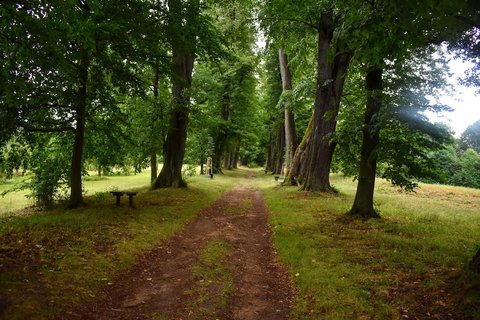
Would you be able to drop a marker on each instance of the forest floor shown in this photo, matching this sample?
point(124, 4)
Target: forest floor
point(241, 246)
point(222, 265)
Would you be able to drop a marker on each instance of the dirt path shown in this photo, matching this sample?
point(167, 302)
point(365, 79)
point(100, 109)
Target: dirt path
point(222, 265)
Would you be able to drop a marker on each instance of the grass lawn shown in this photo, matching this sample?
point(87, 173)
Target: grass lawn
point(56, 258)
point(14, 201)
point(92, 185)
point(411, 263)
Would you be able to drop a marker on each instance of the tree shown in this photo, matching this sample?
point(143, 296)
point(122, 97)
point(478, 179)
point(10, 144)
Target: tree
point(332, 56)
point(274, 118)
point(94, 48)
point(378, 50)
point(290, 132)
point(468, 173)
point(470, 138)
point(14, 154)
point(224, 90)
point(190, 34)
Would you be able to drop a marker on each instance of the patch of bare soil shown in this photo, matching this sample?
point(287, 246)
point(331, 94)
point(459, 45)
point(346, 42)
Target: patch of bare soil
point(421, 303)
point(158, 285)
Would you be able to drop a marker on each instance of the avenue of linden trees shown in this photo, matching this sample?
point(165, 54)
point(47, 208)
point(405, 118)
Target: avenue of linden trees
point(239, 159)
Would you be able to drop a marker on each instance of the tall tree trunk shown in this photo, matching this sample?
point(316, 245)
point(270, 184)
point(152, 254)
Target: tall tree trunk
point(226, 160)
point(76, 197)
point(279, 150)
point(174, 146)
point(221, 141)
point(363, 203)
point(153, 166)
point(271, 146)
point(330, 81)
point(294, 175)
point(217, 155)
point(290, 132)
point(182, 39)
point(153, 153)
point(235, 155)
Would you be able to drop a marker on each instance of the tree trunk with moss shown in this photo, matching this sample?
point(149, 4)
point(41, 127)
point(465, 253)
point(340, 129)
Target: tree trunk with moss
point(331, 73)
point(294, 174)
point(290, 131)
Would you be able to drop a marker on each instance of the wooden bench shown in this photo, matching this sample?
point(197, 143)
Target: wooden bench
point(119, 194)
point(130, 198)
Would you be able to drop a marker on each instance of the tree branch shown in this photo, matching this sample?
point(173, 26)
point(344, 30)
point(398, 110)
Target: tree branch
point(58, 129)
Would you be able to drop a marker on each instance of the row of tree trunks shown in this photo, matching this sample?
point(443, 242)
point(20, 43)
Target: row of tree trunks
point(277, 145)
point(363, 203)
point(290, 131)
point(231, 157)
point(76, 197)
point(222, 136)
point(269, 165)
point(330, 81)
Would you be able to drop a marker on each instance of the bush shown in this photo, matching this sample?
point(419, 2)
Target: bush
point(50, 179)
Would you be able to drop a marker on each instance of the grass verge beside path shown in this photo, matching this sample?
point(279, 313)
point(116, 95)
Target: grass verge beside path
point(409, 264)
point(92, 185)
point(52, 259)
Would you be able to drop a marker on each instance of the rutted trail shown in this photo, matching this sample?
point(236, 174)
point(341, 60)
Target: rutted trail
point(161, 284)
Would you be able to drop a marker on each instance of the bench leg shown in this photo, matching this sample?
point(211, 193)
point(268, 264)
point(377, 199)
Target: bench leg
point(130, 200)
point(118, 200)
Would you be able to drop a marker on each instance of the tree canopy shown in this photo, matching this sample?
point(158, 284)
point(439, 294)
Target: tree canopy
point(97, 86)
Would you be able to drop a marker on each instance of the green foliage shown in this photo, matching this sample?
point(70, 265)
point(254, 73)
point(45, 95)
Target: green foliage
point(458, 167)
point(14, 154)
point(50, 168)
point(224, 92)
point(408, 139)
point(471, 137)
point(97, 46)
point(468, 170)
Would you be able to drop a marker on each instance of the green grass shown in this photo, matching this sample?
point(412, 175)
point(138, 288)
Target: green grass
point(92, 185)
point(414, 257)
point(213, 280)
point(57, 258)
point(353, 269)
point(13, 201)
